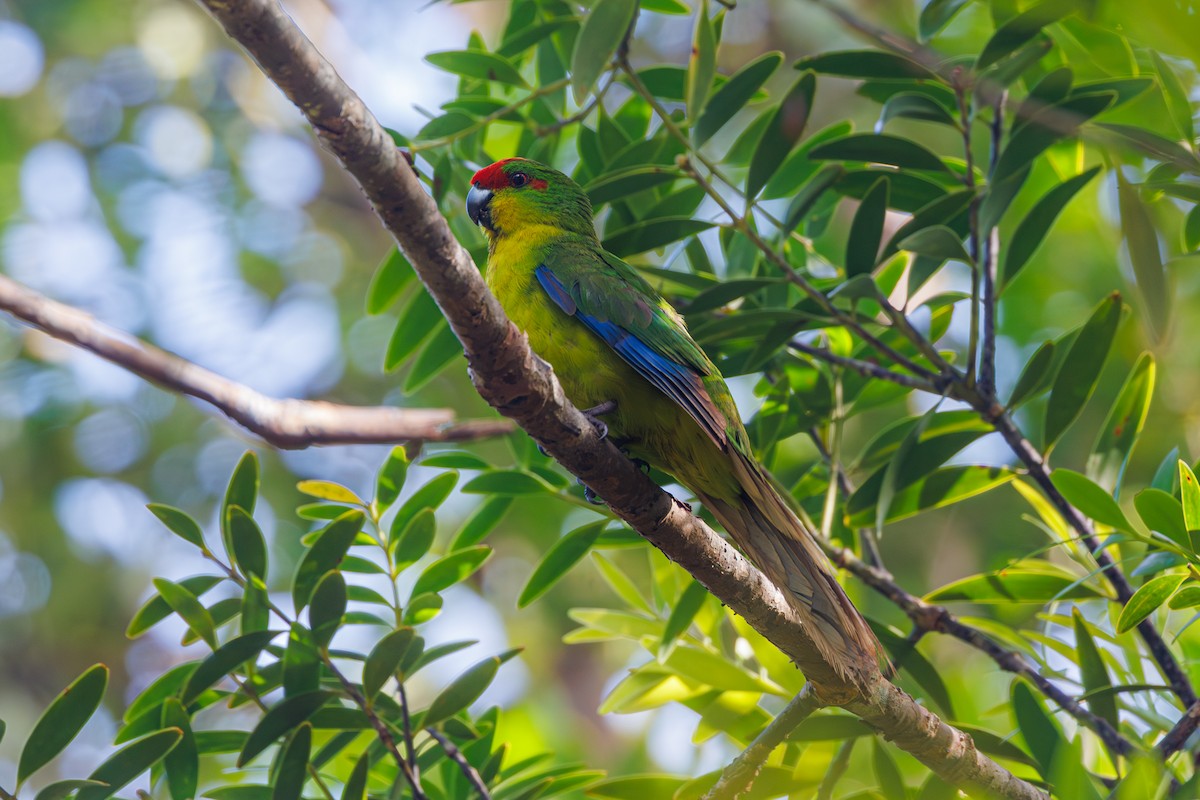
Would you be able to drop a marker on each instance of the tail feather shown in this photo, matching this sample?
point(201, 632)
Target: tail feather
point(764, 526)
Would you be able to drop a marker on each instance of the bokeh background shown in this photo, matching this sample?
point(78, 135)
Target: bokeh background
point(150, 176)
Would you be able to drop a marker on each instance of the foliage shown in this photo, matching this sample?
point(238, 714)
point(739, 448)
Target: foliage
point(857, 261)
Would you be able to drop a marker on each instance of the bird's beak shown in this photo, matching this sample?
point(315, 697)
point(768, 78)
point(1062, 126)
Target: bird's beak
point(478, 206)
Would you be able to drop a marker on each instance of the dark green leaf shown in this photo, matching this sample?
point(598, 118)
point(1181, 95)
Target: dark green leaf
point(301, 662)
point(733, 95)
point(189, 609)
point(477, 64)
point(1151, 144)
point(418, 319)
point(564, 554)
point(682, 614)
point(879, 148)
point(1035, 377)
point(1033, 228)
point(390, 279)
point(1028, 582)
point(784, 129)
point(385, 659)
point(62, 721)
point(422, 608)
point(603, 30)
point(1161, 512)
point(281, 718)
point(431, 495)
point(702, 63)
point(1145, 255)
point(416, 539)
point(355, 787)
point(726, 292)
point(182, 763)
point(248, 548)
point(1052, 123)
point(866, 230)
point(620, 185)
point(224, 661)
point(937, 242)
point(292, 764)
point(913, 105)
point(450, 124)
point(451, 569)
point(937, 14)
point(326, 553)
point(1090, 498)
point(438, 353)
point(129, 762)
point(887, 773)
point(652, 234)
point(1042, 736)
point(179, 523)
point(1080, 372)
point(462, 691)
point(1021, 28)
point(507, 482)
point(1119, 434)
point(391, 477)
point(1094, 673)
point(943, 487)
point(864, 64)
point(1152, 594)
point(807, 197)
point(61, 789)
point(327, 608)
point(481, 523)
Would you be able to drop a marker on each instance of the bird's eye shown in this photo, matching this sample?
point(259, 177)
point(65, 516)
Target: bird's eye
point(518, 179)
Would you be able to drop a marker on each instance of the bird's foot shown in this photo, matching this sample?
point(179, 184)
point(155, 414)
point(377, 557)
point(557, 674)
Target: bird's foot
point(589, 495)
point(595, 412)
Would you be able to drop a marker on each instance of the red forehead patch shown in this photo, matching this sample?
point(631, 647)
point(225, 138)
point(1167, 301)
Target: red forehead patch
point(493, 177)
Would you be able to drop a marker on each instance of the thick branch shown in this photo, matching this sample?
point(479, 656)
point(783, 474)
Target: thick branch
point(521, 386)
point(287, 424)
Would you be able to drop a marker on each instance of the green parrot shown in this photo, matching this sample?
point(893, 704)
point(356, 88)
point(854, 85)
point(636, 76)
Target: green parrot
point(612, 339)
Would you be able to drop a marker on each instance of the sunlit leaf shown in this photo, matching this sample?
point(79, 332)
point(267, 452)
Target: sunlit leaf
point(179, 523)
point(189, 609)
point(417, 321)
point(941, 488)
point(1161, 512)
point(1152, 594)
point(326, 553)
point(1028, 582)
point(1119, 434)
point(1089, 498)
point(393, 274)
point(702, 62)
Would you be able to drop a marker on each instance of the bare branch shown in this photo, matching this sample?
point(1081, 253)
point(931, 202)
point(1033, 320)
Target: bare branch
point(472, 775)
point(741, 772)
point(1177, 737)
point(521, 386)
point(287, 424)
point(865, 368)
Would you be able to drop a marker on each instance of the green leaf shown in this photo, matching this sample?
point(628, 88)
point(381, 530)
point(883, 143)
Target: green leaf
point(1094, 673)
point(620, 185)
point(241, 491)
point(248, 548)
point(603, 30)
point(62, 721)
point(418, 319)
point(1090, 499)
point(1152, 594)
point(327, 608)
point(665, 7)
point(941, 488)
point(913, 105)
point(385, 659)
point(393, 275)
point(807, 197)
point(451, 569)
point(507, 482)
point(477, 64)
point(636, 787)
point(1029, 581)
point(1187, 597)
point(887, 773)
point(1189, 493)
point(1021, 28)
point(1035, 377)
point(1161, 512)
point(224, 661)
point(1042, 130)
point(1119, 434)
point(180, 524)
point(442, 349)
point(702, 63)
point(328, 490)
point(864, 64)
point(936, 242)
point(462, 691)
point(189, 609)
point(62, 789)
point(562, 555)
point(731, 96)
point(1178, 104)
point(937, 14)
point(325, 554)
point(652, 234)
point(481, 523)
point(1080, 371)
point(1145, 256)
point(431, 495)
point(1033, 227)
point(355, 787)
point(284, 716)
point(391, 477)
point(879, 148)
point(301, 662)
point(784, 129)
point(726, 292)
point(1042, 737)
point(182, 763)
point(866, 230)
point(449, 124)
point(292, 765)
point(416, 539)
point(682, 614)
point(130, 761)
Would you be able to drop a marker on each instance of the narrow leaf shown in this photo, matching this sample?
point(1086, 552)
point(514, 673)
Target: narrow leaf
point(1152, 594)
point(1114, 445)
point(1033, 227)
point(62, 721)
point(784, 129)
point(731, 96)
point(462, 691)
point(180, 524)
point(385, 659)
point(1080, 372)
point(1144, 254)
point(284, 716)
point(866, 230)
point(1094, 673)
point(603, 30)
point(564, 554)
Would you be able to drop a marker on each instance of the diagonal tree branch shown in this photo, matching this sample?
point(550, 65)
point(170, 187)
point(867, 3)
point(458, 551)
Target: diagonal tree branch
point(287, 424)
point(521, 386)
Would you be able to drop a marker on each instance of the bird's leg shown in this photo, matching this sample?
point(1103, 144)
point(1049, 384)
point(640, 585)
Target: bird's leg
point(595, 412)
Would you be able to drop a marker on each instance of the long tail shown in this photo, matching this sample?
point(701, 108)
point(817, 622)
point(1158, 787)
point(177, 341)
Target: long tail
point(764, 526)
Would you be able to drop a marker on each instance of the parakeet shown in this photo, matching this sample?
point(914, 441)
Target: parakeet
point(611, 337)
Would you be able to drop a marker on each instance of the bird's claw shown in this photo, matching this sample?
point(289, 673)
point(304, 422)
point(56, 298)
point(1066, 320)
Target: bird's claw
point(595, 412)
point(589, 495)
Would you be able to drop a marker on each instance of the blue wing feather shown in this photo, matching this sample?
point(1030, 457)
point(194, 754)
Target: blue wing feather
point(677, 381)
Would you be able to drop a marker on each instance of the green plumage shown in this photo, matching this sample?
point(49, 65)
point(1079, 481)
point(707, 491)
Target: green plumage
point(610, 336)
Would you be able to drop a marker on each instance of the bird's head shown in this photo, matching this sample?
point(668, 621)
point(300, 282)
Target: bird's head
point(516, 192)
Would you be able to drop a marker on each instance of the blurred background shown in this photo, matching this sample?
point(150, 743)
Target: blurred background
point(150, 176)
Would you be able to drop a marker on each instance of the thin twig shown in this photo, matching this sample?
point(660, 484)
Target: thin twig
point(865, 368)
point(411, 750)
point(1177, 737)
point(472, 775)
point(287, 424)
point(741, 772)
point(837, 768)
point(581, 114)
